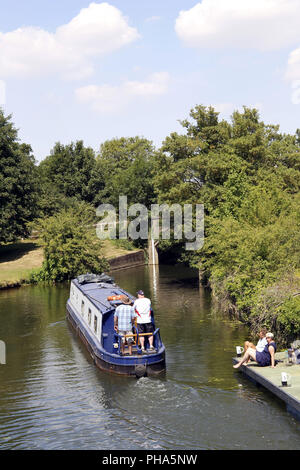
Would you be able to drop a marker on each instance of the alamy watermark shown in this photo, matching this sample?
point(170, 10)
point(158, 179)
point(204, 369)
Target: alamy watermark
point(2, 92)
point(160, 222)
point(2, 352)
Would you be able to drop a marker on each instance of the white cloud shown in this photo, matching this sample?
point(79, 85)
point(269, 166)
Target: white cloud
point(97, 30)
point(293, 68)
point(293, 75)
point(108, 98)
point(262, 24)
point(295, 98)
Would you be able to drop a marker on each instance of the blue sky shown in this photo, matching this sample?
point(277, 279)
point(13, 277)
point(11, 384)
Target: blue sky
point(75, 69)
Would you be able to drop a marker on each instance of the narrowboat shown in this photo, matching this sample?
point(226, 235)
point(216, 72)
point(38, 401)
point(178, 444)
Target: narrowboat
point(91, 315)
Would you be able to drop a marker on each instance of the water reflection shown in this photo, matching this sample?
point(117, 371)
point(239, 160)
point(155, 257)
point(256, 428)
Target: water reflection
point(53, 397)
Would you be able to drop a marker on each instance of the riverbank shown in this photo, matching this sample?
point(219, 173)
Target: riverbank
point(17, 260)
point(274, 305)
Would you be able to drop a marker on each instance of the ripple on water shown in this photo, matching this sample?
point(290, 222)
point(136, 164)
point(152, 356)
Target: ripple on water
point(53, 397)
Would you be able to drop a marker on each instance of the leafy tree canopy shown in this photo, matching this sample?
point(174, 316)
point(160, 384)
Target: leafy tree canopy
point(126, 167)
point(67, 174)
point(18, 183)
point(247, 175)
point(70, 244)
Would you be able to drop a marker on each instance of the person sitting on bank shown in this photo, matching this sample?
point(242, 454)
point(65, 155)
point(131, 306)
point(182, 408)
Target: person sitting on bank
point(260, 344)
point(142, 307)
point(124, 317)
point(263, 358)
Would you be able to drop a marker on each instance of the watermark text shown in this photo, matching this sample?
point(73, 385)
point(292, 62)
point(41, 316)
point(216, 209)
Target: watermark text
point(161, 221)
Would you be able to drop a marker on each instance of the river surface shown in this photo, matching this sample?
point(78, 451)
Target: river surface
point(53, 397)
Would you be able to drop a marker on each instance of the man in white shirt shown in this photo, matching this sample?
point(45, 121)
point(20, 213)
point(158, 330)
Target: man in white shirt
point(142, 307)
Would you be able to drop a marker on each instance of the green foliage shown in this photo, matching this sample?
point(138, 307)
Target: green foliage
point(247, 175)
point(288, 317)
point(277, 307)
point(123, 243)
point(67, 175)
point(70, 245)
point(126, 166)
point(18, 183)
point(245, 172)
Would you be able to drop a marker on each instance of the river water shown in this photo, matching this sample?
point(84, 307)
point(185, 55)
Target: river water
point(53, 397)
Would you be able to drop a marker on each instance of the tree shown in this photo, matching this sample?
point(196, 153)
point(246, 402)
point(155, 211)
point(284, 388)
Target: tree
point(70, 244)
point(247, 175)
point(68, 174)
point(125, 167)
point(18, 183)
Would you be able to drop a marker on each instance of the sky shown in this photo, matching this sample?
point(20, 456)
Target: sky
point(80, 70)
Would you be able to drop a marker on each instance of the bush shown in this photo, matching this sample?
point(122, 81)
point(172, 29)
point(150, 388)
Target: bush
point(289, 317)
point(70, 245)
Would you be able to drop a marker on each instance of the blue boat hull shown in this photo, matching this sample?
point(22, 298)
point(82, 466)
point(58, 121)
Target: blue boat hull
point(136, 366)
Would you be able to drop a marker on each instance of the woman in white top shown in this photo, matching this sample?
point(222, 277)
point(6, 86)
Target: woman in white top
point(260, 344)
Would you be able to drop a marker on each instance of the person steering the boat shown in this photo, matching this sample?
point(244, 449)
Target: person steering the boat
point(142, 307)
point(124, 317)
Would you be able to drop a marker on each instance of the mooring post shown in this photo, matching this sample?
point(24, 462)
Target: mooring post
point(153, 238)
point(201, 272)
point(152, 251)
point(2, 352)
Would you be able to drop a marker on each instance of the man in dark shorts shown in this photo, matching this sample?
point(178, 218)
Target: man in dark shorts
point(142, 307)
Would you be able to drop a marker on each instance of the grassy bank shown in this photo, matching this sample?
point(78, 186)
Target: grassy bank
point(17, 260)
point(114, 248)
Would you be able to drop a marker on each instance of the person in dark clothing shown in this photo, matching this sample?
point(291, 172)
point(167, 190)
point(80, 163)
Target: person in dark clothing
point(263, 358)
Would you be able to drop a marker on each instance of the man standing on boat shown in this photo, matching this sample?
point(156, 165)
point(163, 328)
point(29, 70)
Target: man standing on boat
point(123, 321)
point(142, 307)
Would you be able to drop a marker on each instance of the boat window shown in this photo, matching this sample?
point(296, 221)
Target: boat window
point(89, 316)
point(95, 323)
point(82, 307)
